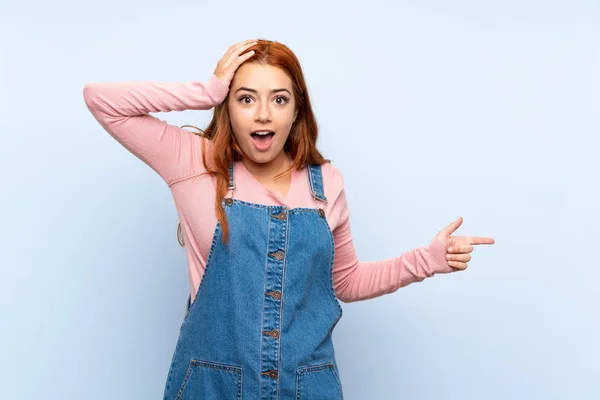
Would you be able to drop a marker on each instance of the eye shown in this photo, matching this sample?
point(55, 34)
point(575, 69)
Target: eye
point(242, 99)
point(283, 98)
point(280, 100)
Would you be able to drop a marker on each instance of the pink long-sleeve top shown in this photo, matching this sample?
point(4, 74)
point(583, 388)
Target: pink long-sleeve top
point(123, 110)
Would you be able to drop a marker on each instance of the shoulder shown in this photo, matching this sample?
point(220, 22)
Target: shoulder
point(331, 172)
point(337, 205)
point(333, 181)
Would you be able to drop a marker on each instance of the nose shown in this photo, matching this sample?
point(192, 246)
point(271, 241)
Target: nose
point(263, 113)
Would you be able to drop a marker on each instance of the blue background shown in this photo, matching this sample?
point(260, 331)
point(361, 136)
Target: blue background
point(430, 109)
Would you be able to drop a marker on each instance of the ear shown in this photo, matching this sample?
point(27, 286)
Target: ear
point(295, 115)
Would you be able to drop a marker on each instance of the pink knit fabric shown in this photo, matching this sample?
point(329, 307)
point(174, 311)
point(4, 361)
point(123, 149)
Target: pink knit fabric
point(122, 108)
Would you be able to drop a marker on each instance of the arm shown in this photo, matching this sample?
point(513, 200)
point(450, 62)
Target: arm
point(355, 280)
point(122, 108)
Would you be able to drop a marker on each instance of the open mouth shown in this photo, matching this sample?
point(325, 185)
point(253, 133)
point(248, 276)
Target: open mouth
point(262, 139)
point(262, 134)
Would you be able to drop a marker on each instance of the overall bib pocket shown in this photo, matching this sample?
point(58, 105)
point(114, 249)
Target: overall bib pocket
point(318, 382)
point(210, 380)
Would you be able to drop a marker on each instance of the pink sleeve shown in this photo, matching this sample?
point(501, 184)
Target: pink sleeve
point(122, 108)
point(355, 280)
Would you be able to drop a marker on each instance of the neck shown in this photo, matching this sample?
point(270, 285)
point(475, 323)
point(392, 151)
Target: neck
point(267, 171)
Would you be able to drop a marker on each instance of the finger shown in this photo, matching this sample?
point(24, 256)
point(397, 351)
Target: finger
point(461, 249)
point(458, 257)
point(245, 56)
point(480, 240)
point(228, 51)
point(449, 230)
point(240, 47)
point(457, 265)
point(241, 53)
point(233, 48)
point(235, 62)
point(235, 58)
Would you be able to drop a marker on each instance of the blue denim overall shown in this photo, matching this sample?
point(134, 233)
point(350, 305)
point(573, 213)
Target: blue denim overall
point(261, 323)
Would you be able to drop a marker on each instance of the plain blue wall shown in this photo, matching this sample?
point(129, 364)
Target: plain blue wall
point(432, 110)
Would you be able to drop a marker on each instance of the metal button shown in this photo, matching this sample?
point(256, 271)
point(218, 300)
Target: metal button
point(281, 216)
point(274, 333)
point(321, 212)
point(279, 255)
point(229, 201)
point(276, 294)
point(272, 373)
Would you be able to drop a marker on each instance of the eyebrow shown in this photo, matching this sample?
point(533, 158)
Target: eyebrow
point(255, 91)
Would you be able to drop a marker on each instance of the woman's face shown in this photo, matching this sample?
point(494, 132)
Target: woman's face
point(261, 100)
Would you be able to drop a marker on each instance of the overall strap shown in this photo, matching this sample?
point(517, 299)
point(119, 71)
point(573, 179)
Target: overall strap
point(231, 182)
point(315, 178)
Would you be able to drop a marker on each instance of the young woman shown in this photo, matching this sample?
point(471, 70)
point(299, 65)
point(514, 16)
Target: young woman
point(266, 224)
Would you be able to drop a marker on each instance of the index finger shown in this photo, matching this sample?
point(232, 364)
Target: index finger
point(235, 48)
point(480, 240)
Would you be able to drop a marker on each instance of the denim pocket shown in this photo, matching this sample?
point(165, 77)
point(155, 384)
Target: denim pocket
point(318, 382)
point(209, 380)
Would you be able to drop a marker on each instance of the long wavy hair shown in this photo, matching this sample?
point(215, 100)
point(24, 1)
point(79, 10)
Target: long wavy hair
point(300, 145)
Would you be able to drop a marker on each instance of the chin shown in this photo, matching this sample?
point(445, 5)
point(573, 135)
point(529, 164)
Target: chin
point(263, 157)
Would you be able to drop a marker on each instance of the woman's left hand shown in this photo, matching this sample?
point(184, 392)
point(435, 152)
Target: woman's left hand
point(459, 247)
